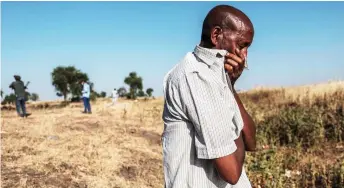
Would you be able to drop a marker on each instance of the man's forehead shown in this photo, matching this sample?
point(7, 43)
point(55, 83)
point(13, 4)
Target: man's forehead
point(241, 23)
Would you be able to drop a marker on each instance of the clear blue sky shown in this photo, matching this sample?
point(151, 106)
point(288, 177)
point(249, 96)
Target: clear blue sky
point(295, 42)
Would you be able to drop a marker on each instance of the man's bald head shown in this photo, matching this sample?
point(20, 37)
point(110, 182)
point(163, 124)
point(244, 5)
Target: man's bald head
point(227, 20)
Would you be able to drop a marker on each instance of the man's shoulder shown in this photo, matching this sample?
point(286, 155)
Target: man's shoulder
point(179, 71)
point(17, 83)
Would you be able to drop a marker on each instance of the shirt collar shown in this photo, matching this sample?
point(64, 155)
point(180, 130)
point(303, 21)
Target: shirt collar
point(209, 56)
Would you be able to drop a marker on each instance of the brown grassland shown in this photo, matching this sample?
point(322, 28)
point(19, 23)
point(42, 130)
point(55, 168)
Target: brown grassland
point(300, 132)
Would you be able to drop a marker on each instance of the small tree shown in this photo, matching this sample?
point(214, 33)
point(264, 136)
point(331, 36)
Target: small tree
point(141, 93)
point(103, 94)
point(122, 92)
point(135, 83)
point(66, 80)
point(9, 99)
point(2, 93)
point(149, 92)
point(34, 97)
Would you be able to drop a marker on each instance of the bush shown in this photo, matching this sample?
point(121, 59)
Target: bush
point(293, 126)
point(93, 96)
point(302, 132)
point(76, 99)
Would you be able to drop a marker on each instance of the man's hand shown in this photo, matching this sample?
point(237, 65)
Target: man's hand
point(234, 65)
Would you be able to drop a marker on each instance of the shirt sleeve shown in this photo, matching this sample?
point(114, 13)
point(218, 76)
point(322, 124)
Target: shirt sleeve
point(12, 86)
point(211, 111)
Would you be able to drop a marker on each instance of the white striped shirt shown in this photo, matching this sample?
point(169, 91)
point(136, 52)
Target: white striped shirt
point(201, 121)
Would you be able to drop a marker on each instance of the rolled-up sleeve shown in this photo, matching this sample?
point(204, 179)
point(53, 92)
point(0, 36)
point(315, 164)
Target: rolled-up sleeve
point(211, 111)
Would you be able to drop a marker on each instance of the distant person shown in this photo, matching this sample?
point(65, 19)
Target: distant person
point(19, 90)
point(206, 127)
point(86, 92)
point(114, 96)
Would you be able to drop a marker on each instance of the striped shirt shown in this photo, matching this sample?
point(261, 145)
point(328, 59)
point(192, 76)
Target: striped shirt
point(201, 121)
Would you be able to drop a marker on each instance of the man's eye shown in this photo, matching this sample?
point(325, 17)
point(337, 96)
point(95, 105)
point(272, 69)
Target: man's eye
point(241, 46)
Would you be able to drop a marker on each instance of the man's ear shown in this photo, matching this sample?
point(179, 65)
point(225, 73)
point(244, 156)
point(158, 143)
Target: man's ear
point(215, 35)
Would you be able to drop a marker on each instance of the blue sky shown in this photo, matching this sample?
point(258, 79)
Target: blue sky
point(295, 42)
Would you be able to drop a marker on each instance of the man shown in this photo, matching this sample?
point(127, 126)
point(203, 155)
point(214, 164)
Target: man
point(114, 96)
point(206, 127)
point(19, 90)
point(86, 91)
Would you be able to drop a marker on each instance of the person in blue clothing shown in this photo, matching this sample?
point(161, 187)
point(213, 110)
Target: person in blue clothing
point(19, 90)
point(86, 91)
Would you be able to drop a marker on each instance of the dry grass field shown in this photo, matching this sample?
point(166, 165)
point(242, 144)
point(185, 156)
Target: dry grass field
point(300, 138)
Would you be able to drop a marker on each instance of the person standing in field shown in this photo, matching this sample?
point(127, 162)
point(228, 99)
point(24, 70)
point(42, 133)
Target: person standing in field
point(206, 127)
point(114, 96)
point(19, 90)
point(86, 92)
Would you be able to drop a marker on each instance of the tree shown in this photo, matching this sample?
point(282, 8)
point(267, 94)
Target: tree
point(135, 83)
point(149, 92)
point(122, 92)
point(27, 95)
point(34, 97)
point(140, 93)
point(103, 94)
point(2, 93)
point(9, 99)
point(66, 80)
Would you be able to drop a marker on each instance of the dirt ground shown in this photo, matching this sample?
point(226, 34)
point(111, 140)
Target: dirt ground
point(115, 146)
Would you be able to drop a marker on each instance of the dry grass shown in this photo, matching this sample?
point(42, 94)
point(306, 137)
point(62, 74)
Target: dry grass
point(301, 93)
point(114, 147)
point(120, 146)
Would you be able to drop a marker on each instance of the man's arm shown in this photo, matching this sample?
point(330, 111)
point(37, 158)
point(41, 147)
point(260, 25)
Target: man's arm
point(249, 130)
point(11, 86)
point(234, 65)
point(230, 166)
point(83, 89)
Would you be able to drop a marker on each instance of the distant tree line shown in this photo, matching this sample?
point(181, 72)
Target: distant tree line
point(11, 98)
point(67, 83)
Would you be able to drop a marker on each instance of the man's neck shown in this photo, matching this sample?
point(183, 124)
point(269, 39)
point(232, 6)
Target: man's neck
point(206, 45)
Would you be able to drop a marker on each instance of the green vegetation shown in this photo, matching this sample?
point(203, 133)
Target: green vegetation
point(149, 92)
point(122, 92)
point(34, 97)
point(135, 84)
point(66, 80)
point(299, 140)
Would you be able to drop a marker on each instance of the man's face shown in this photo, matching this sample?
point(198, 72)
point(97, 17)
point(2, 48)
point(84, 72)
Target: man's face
point(239, 39)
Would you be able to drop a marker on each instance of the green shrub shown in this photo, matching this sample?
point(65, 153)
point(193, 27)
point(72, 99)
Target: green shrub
point(292, 126)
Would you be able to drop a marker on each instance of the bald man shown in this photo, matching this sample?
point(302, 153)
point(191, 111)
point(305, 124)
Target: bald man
point(206, 127)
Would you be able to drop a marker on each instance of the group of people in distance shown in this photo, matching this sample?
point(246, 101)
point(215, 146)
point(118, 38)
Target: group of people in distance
point(21, 98)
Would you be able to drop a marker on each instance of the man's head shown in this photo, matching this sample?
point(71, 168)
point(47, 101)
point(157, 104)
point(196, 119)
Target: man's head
point(227, 28)
point(17, 78)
